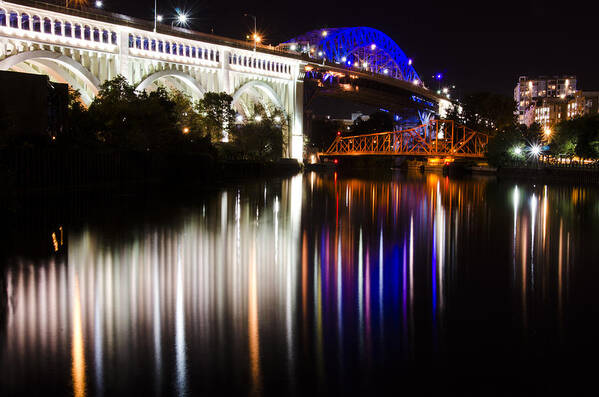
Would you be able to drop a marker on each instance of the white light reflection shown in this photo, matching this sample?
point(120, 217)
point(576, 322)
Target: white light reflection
point(533, 211)
point(180, 348)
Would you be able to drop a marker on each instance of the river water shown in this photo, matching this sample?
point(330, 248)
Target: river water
point(317, 284)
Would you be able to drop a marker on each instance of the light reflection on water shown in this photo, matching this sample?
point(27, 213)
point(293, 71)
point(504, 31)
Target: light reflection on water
point(315, 283)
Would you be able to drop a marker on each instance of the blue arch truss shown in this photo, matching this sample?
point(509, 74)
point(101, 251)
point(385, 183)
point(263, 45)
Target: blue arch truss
point(358, 47)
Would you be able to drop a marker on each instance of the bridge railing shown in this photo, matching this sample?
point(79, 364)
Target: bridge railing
point(442, 138)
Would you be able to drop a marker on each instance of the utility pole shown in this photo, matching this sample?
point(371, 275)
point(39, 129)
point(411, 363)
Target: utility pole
point(155, 13)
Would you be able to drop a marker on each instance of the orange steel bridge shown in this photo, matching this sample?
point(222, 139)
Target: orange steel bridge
point(438, 138)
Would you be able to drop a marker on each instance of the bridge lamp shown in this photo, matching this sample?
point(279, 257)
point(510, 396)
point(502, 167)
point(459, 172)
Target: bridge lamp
point(373, 46)
point(365, 64)
point(181, 19)
point(386, 71)
point(258, 118)
point(445, 90)
point(319, 53)
point(293, 47)
point(99, 4)
point(159, 18)
point(410, 61)
point(356, 64)
point(416, 82)
point(343, 59)
point(324, 33)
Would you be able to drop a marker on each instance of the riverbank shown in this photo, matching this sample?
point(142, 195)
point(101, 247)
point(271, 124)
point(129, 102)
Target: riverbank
point(57, 171)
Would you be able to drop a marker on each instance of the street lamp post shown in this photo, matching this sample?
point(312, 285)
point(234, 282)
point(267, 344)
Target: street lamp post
point(155, 14)
point(255, 36)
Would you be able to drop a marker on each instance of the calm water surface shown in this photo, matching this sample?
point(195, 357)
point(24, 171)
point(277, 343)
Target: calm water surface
point(317, 284)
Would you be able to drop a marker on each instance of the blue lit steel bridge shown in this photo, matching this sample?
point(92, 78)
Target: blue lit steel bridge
point(364, 65)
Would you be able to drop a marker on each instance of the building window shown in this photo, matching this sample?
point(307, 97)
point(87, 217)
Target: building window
point(58, 28)
point(68, 30)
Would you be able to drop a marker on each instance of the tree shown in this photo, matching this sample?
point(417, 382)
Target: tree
point(217, 114)
point(485, 112)
point(323, 132)
point(262, 137)
point(579, 137)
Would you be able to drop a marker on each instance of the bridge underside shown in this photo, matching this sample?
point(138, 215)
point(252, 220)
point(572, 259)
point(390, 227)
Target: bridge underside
point(409, 107)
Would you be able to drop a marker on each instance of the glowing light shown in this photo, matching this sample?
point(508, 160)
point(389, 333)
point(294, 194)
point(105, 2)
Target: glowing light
point(373, 46)
point(182, 18)
point(535, 150)
point(386, 71)
point(409, 61)
point(312, 159)
point(517, 151)
point(186, 130)
point(239, 118)
point(159, 18)
point(99, 4)
point(416, 82)
point(258, 118)
point(343, 59)
point(277, 119)
point(335, 161)
point(445, 90)
point(324, 33)
point(365, 64)
point(257, 38)
point(319, 53)
point(547, 131)
point(293, 47)
point(356, 64)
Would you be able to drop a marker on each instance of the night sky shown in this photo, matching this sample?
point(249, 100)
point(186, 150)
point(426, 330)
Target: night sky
point(478, 46)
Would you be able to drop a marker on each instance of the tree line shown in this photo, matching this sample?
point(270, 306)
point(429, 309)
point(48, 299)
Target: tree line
point(167, 121)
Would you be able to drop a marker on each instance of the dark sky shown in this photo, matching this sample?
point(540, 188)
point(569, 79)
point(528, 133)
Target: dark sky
point(479, 46)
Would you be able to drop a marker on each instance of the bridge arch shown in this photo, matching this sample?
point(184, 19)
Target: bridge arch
point(360, 47)
point(59, 67)
point(260, 92)
point(196, 88)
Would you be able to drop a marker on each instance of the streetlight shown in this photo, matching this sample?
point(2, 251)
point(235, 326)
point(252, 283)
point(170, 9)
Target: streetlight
point(182, 19)
point(255, 36)
point(99, 4)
